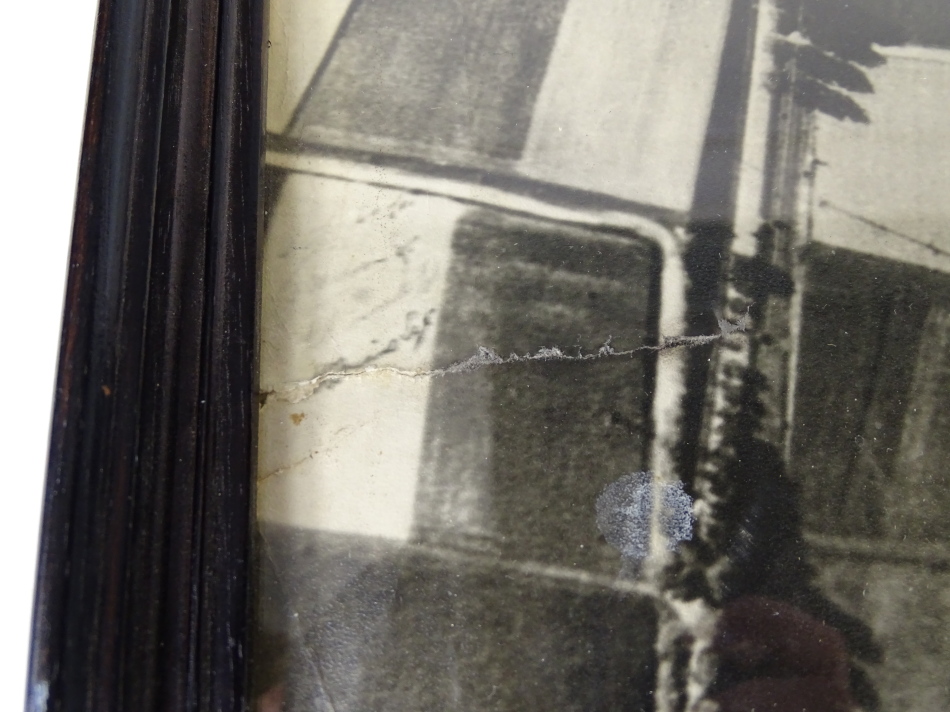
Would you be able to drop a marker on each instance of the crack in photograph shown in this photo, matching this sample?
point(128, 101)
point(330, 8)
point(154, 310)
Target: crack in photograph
point(604, 357)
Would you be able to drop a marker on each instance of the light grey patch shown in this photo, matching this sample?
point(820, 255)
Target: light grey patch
point(677, 515)
point(483, 356)
point(625, 513)
point(624, 510)
point(727, 327)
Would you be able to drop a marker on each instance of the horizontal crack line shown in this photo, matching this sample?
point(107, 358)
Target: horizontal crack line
point(485, 357)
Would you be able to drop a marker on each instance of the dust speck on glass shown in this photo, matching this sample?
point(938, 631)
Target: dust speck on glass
point(604, 356)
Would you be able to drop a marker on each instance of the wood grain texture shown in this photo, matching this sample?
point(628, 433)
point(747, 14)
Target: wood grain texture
point(142, 593)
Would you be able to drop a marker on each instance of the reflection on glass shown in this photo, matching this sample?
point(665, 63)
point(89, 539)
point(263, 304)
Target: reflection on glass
point(603, 348)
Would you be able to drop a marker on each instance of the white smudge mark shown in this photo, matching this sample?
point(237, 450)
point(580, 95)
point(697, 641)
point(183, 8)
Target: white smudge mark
point(625, 514)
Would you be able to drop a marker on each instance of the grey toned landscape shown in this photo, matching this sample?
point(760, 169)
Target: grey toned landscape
point(605, 354)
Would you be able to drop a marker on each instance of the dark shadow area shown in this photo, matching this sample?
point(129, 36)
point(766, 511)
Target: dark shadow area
point(272, 182)
point(869, 442)
point(826, 46)
point(711, 213)
point(815, 95)
point(418, 77)
point(767, 552)
point(759, 521)
point(514, 456)
point(925, 23)
point(358, 623)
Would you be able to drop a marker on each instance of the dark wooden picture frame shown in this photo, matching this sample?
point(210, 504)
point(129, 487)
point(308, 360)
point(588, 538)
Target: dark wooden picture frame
point(142, 597)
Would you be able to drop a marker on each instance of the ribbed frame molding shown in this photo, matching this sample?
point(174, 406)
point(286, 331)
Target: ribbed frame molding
point(142, 597)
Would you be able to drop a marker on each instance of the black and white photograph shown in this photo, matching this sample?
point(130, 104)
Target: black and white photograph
point(604, 357)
